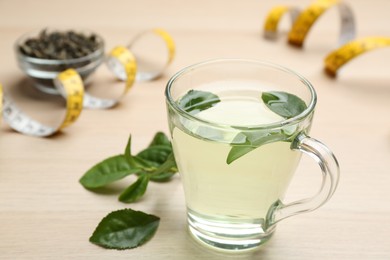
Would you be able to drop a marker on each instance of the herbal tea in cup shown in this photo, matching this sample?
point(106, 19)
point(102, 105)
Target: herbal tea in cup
point(238, 129)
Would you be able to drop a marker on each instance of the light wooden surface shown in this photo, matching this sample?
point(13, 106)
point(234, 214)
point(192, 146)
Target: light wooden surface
point(46, 214)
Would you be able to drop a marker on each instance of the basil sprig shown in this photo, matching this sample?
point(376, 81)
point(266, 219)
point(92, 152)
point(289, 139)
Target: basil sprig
point(127, 228)
point(154, 163)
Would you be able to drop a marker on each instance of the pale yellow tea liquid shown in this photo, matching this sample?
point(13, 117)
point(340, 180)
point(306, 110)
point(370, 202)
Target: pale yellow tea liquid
point(225, 199)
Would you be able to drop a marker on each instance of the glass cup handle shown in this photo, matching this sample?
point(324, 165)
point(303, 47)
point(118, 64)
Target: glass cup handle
point(330, 178)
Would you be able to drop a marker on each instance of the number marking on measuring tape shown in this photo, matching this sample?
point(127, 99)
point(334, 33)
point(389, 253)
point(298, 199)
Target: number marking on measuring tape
point(72, 83)
point(67, 82)
point(336, 59)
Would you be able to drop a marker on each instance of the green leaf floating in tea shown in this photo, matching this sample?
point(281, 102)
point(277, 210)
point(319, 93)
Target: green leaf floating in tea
point(125, 229)
point(282, 103)
point(250, 141)
point(195, 101)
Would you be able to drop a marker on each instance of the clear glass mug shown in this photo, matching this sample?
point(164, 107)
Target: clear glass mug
point(235, 205)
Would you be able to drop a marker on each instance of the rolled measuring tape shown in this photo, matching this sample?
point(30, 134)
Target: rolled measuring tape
point(338, 58)
point(154, 51)
point(121, 60)
point(275, 15)
point(69, 84)
point(306, 18)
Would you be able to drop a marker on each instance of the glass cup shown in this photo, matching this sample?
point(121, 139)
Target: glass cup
point(235, 204)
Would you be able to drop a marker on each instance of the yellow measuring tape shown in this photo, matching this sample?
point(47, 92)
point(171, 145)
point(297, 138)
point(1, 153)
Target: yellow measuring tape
point(123, 63)
point(336, 59)
point(170, 44)
point(275, 15)
point(303, 21)
point(121, 60)
point(144, 74)
point(70, 84)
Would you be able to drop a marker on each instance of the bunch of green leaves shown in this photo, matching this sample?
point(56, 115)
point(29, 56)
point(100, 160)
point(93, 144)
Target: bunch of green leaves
point(154, 163)
point(127, 228)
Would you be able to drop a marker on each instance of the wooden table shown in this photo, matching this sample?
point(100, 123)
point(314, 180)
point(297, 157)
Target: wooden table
point(46, 214)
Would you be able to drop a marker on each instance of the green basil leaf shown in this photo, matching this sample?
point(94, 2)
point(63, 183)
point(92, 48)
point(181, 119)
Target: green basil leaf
point(195, 101)
point(128, 155)
point(125, 229)
point(107, 171)
point(156, 153)
point(163, 177)
point(246, 142)
point(161, 159)
point(168, 165)
point(134, 161)
point(146, 165)
point(136, 190)
point(160, 139)
point(284, 104)
point(165, 171)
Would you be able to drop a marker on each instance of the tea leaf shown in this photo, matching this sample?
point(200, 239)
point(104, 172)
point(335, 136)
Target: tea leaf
point(157, 154)
point(160, 139)
point(125, 229)
point(195, 101)
point(163, 176)
point(284, 104)
point(165, 171)
point(251, 142)
point(151, 157)
point(131, 160)
point(107, 171)
point(136, 190)
point(162, 172)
